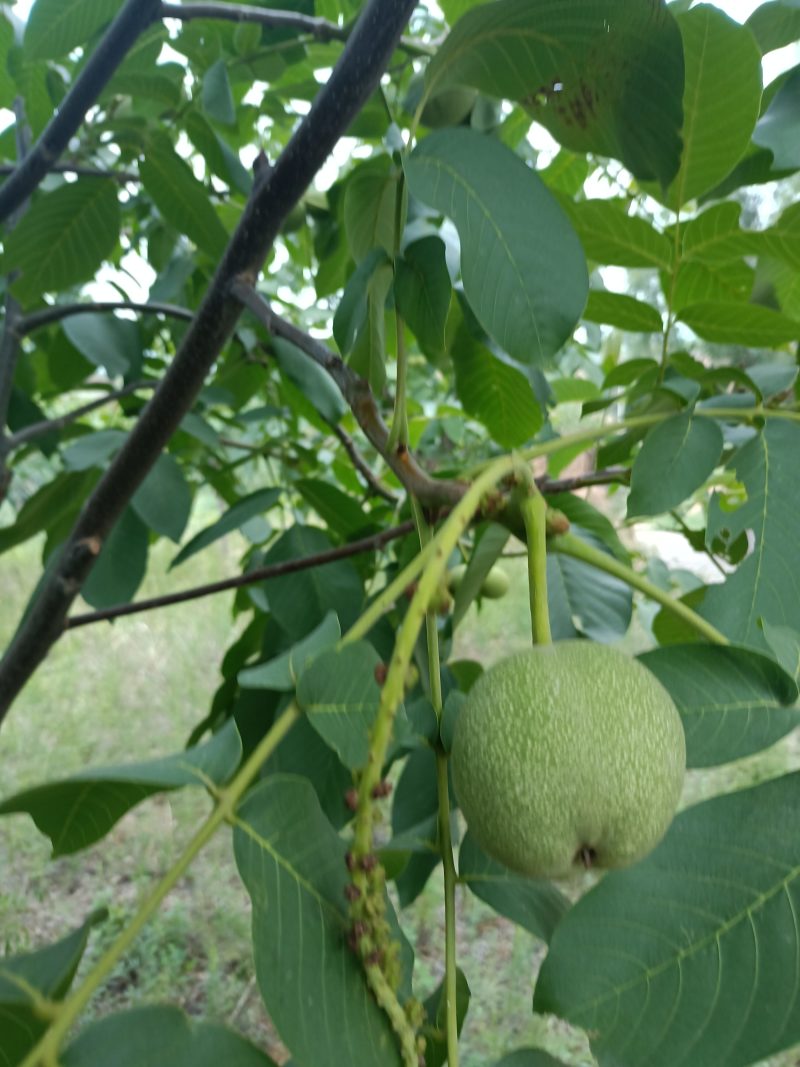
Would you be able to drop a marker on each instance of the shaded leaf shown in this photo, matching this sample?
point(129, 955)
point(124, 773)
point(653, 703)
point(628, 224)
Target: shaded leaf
point(775, 24)
point(370, 206)
point(436, 1011)
point(283, 672)
point(622, 311)
point(106, 341)
point(341, 513)
point(63, 238)
point(300, 601)
point(303, 752)
point(245, 509)
point(778, 129)
point(292, 863)
point(733, 701)
point(314, 383)
point(218, 156)
point(368, 357)
point(523, 267)
point(160, 1033)
point(340, 695)
point(495, 393)
point(740, 324)
point(48, 972)
point(93, 449)
point(766, 585)
point(79, 810)
point(414, 818)
point(55, 503)
point(180, 197)
point(784, 643)
point(721, 99)
point(55, 27)
point(351, 314)
point(600, 78)
point(610, 235)
point(585, 600)
point(422, 291)
point(676, 458)
point(121, 565)
point(489, 544)
point(715, 236)
point(536, 906)
point(217, 96)
point(164, 499)
point(691, 948)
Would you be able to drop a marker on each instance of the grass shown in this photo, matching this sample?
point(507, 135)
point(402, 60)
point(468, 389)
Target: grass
point(133, 691)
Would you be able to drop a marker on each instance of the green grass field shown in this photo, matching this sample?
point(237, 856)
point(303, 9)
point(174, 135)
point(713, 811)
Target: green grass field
point(134, 690)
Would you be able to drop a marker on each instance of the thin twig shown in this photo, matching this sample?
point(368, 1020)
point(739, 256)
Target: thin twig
point(348, 88)
point(318, 28)
point(429, 491)
point(374, 484)
point(39, 429)
point(57, 312)
point(261, 574)
point(134, 17)
point(609, 476)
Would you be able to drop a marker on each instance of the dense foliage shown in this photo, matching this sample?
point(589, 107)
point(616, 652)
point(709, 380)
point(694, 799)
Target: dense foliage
point(375, 281)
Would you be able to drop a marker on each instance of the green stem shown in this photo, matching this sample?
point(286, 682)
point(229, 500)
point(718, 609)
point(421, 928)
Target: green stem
point(450, 879)
point(445, 841)
point(637, 422)
point(534, 515)
point(570, 545)
point(436, 553)
point(384, 600)
point(46, 1051)
point(434, 667)
point(398, 433)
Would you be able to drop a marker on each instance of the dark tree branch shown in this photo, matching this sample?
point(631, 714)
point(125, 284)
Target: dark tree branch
point(357, 393)
point(261, 574)
point(11, 339)
point(121, 176)
point(610, 476)
point(350, 85)
point(374, 484)
point(134, 17)
point(57, 312)
point(320, 28)
point(39, 429)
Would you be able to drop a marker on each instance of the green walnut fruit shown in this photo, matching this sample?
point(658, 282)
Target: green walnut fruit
point(494, 586)
point(568, 756)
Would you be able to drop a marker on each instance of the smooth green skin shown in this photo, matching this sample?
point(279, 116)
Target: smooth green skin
point(495, 585)
point(567, 756)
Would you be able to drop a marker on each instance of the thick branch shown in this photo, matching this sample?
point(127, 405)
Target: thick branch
point(357, 393)
point(39, 429)
point(261, 574)
point(350, 85)
point(134, 17)
point(57, 312)
point(121, 176)
point(11, 339)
